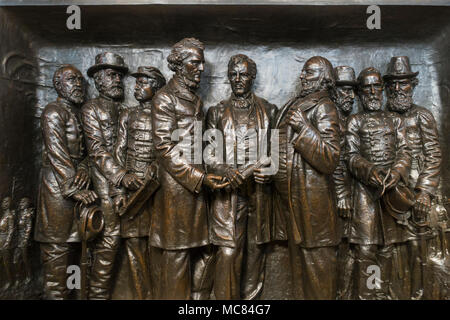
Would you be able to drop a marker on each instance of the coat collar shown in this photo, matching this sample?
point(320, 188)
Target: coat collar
point(180, 89)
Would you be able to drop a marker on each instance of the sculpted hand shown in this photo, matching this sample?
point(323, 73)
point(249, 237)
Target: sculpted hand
point(376, 177)
point(296, 118)
point(130, 181)
point(235, 178)
point(85, 196)
point(344, 207)
point(214, 182)
point(394, 178)
point(81, 179)
point(260, 177)
point(119, 201)
point(422, 206)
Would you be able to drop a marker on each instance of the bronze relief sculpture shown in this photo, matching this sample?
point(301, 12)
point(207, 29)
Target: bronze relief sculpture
point(135, 152)
point(352, 190)
point(65, 177)
point(100, 124)
point(378, 158)
point(309, 153)
point(422, 139)
point(244, 121)
point(179, 229)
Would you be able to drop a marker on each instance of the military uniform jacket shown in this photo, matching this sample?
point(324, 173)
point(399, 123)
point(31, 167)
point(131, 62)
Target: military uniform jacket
point(135, 152)
point(100, 124)
point(179, 218)
point(63, 155)
point(311, 157)
point(423, 141)
point(24, 228)
point(223, 221)
point(375, 139)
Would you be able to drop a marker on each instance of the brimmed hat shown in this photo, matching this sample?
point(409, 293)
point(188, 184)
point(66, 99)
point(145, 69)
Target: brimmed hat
point(398, 201)
point(399, 68)
point(150, 72)
point(345, 76)
point(106, 60)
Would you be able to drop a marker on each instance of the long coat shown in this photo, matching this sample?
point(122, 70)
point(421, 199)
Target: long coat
point(311, 157)
point(100, 124)
point(63, 155)
point(375, 139)
point(223, 214)
point(179, 218)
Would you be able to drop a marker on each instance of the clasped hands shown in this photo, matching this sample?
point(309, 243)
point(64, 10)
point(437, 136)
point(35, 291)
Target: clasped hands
point(380, 178)
point(81, 182)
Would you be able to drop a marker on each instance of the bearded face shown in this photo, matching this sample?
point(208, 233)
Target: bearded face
point(71, 85)
point(400, 94)
point(344, 98)
point(144, 90)
point(109, 83)
point(371, 93)
point(310, 78)
point(192, 67)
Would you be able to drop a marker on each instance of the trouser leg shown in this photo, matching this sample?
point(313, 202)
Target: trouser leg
point(26, 262)
point(254, 265)
point(170, 274)
point(346, 261)
point(415, 264)
point(106, 248)
point(227, 276)
point(203, 267)
point(365, 280)
point(319, 272)
point(137, 252)
point(55, 260)
point(386, 262)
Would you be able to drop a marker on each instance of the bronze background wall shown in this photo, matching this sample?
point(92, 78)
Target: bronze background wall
point(279, 38)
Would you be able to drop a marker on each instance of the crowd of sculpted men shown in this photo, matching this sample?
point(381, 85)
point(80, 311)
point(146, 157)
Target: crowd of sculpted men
point(351, 193)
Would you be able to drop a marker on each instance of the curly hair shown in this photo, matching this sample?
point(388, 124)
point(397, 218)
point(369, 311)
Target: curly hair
point(239, 58)
point(180, 51)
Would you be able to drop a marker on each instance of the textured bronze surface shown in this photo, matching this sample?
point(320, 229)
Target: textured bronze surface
point(280, 39)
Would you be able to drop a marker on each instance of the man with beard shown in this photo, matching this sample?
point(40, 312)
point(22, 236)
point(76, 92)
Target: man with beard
point(63, 181)
point(377, 158)
point(423, 140)
point(178, 228)
point(244, 120)
point(343, 96)
point(100, 123)
point(135, 152)
point(308, 155)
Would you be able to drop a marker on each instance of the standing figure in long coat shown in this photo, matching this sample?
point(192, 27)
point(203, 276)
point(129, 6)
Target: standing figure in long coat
point(244, 121)
point(308, 155)
point(343, 96)
point(136, 153)
point(7, 225)
point(423, 140)
point(64, 176)
point(378, 159)
point(179, 226)
point(100, 118)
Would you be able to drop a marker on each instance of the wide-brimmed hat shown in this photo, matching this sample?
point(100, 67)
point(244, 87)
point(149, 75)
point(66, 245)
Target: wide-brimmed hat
point(108, 60)
point(399, 68)
point(345, 76)
point(151, 72)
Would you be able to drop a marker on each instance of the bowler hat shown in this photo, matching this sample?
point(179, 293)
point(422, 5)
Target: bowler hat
point(399, 68)
point(107, 60)
point(150, 72)
point(345, 76)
